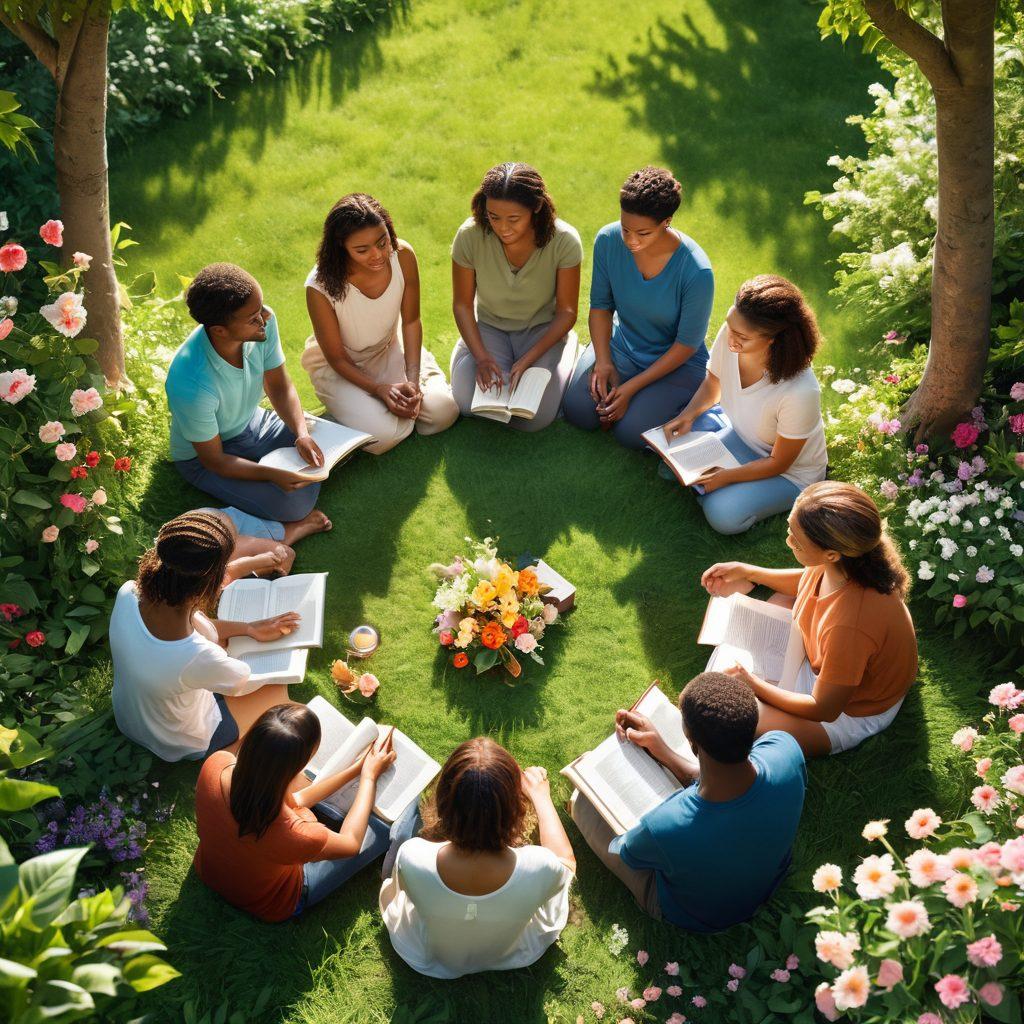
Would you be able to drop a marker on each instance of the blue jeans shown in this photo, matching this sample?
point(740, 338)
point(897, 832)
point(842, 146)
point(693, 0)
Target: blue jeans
point(251, 526)
point(264, 433)
point(650, 407)
point(736, 507)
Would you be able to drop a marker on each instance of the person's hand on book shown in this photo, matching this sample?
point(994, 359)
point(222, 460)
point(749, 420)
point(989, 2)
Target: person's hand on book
point(535, 784)
point(273, 628)
point(725, 578)
point(681, 425)
point(310, 451)
point(488, 373)
point(744, 675)
point(604, 379)
point(519, 367)
point(639, 729)
point(286, 479)
point(711, 479)
point(380, 757)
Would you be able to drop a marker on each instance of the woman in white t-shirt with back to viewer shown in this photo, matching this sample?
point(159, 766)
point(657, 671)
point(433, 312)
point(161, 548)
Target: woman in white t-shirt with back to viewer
point(462, 897)
point(760, 372)
point(176, 691)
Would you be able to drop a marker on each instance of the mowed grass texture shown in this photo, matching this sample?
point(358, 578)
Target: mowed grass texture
point(745, 104)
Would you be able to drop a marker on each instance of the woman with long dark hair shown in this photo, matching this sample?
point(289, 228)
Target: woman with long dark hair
point(467, 896)
point(260, 845)
point(515, 291)
point(848, 602)
point(760, 373)
point(364, 288)
point(176, 691)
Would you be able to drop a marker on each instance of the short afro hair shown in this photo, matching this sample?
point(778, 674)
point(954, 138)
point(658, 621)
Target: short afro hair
point(650, 192)
point(217, 292)
point(720, 715)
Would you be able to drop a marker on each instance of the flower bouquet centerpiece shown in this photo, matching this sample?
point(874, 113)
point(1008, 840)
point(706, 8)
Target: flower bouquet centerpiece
point(489, 612)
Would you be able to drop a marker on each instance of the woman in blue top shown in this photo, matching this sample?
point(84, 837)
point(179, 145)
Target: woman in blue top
point(650, 302)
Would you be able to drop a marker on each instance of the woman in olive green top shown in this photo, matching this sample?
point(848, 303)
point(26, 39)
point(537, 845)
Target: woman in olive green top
point(521, 265)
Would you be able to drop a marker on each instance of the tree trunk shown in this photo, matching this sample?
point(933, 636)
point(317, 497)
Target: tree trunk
point(80, 148)
point(962, 266)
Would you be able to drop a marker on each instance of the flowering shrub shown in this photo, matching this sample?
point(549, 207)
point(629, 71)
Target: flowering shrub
point(489, 609)
point(935, 934)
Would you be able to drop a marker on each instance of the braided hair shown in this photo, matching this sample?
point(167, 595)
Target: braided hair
point(522, 184)
point(650, 192)
point(777, 307)
point(188, 561)
point(349, 214)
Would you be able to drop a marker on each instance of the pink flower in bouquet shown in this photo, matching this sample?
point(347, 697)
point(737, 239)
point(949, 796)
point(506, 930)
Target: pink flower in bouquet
point(961, 858)
point(11, 611)
point(699, 1001)
point(676, 1018)
point(674, 990)
point(733, 984)
point(1017, 391)
point(825, 1001)
point(1016, 723)
point(781, 975)
point(99, 496)
point(550, 613)
point(991, 993)
point(965, 435)
point(1017, 423)
point(836, 948)
point(445, 637)
point(959, 601)
point(792, 962)
point(985, 952)
point(960, 889)
point(964, 738)
point(1018, 458)
point(1013, 779)
point(91, 546)
point(368, 684)
point(51, 431)
point(526, 642)
point(6, 326)
point(50, 534)
point(639, 1003)
point(988, 856)
point(81, 260)
point(929, 1018)
point(985, 798)
point(622, 994)
point(65, 452)
point(75, 502)
point(672, 969)
point(83, 401)
point(874, 877)
point(927, 867)
point(15, 385)
point(735, 971)
point(922, 823)
point(52, 233)
point(908, 919)
point(1011, 855)
point(982, 765)
point(852, 988)
point(12, 258)
point(889, 490)
point(1004, 696)
point(890, 974)
point(642, 956)
point(652, 993)
point(598, 1009)
point(953, 991)
point(36, 638)
point(67, 315)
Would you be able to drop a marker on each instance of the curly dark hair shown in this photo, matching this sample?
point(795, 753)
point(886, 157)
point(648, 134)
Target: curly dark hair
point(217, 292)
point(840, 517)
point(522, 184)
point(650, 192)
point(778, 308)
point(349, 214)
point(720, 715)
point(187, 564)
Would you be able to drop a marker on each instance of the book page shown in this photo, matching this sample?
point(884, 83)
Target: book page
point(694, 458)
point(244, 601)
point(336, 441)
point(335, 729)
point(667, 719)
point(525, 400)
point(287, 667)
point(561, 588)
point(411, 773)
point(304, 594)
point(341, 800)
point(628, 780)
point(754, 633)
point(492, 404)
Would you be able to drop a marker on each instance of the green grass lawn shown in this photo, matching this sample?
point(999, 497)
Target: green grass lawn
point(745, 104)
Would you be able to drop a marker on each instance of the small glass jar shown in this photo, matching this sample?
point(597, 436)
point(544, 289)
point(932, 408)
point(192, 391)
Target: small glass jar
point(363, 641)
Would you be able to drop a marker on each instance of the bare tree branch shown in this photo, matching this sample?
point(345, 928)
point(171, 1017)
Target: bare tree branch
point(923, 47)
point(44, 48)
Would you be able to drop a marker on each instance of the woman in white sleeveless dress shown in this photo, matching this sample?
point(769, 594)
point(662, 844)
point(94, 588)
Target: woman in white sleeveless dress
point(365, 283)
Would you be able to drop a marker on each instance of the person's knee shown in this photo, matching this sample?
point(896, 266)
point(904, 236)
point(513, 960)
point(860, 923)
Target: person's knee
point(578, 406)
point(724, 517)
point(296, 504)
point(440, 411)
point(389, 431)
point(628, 432)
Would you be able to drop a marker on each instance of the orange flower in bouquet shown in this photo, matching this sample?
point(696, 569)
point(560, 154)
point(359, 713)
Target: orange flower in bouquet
point(528, 582)
point(461, 660)
point(492, 636)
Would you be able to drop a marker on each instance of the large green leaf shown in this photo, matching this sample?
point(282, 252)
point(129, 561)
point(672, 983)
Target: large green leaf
point(15, 975)
point(18, 795)
point(135, 941)
point(101, 978)
point(24, 497)
point(147, 972)
point(48, 881)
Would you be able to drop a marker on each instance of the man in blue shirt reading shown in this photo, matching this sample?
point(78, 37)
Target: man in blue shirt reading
point(709, 855)
point(214, 385)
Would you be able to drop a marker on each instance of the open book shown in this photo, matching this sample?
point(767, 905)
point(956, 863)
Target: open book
point(761, 637)
point(342, 744)
point(562, 594)
point(502, 404)
point(621, 779)
point(692, 454)
point(336, 441)
point(287, 667)
point(251, 600)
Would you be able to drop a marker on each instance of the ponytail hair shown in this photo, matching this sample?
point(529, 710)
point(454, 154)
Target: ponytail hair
point(349, 214)
point(186, 566)
point(776, 307)
point(840, 517)
point(522, 184)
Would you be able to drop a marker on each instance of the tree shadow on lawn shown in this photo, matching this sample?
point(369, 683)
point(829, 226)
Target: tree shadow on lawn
point(749, 120)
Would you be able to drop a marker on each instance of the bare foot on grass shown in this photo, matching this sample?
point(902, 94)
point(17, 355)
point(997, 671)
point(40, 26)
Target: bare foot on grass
point(315, 522)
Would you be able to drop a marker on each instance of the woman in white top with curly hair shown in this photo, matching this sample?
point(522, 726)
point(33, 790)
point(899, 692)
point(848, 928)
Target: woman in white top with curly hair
point(365, 283)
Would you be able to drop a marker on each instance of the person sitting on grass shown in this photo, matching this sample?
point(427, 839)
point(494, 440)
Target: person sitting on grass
point(848, 602)
point(176, 691)
point(760, 371)
point(650, 302)
point(466, 896)
point(709, 855)
point(260, 845)
point(214, 385)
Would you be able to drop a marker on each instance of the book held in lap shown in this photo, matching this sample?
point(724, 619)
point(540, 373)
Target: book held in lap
point(622, 780)
point(342, 744)
point(336, 441)
point(503, 403)
point(691, 455)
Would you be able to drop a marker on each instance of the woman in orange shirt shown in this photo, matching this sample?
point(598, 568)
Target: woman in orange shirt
point(848, 602)
point(260, 845)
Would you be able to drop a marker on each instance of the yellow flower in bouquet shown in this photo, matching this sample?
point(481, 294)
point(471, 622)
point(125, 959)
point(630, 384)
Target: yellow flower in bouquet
point(483, 593)
point(504, 580)
point(508, 610)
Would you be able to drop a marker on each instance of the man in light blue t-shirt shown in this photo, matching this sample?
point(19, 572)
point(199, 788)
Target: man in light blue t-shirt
point(214, 385)
point(709, 855)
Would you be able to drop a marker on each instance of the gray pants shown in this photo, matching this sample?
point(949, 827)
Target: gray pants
point(598, 834)
point(507, 347)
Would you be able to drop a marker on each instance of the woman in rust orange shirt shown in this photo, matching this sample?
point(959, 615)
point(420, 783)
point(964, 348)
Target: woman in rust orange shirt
point(260, 845)
point(848, 602)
